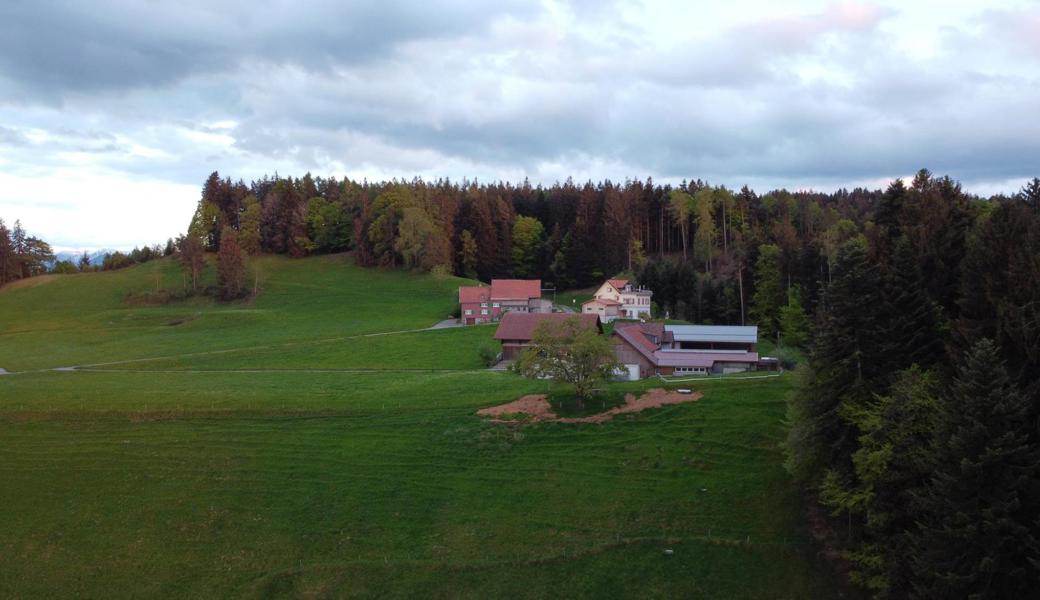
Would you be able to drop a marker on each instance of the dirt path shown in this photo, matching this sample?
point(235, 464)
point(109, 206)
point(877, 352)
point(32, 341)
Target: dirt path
point(536, 408)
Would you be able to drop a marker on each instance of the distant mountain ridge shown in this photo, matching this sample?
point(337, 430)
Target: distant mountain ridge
point(96, 256)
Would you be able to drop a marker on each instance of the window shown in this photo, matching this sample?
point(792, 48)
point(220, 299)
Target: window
point(469, 311)
point(494, 305)
point(483, 305)
point(483, 311)
point(691, 370)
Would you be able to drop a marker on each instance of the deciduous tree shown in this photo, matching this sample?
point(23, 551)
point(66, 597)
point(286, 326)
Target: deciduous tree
point(569, 352)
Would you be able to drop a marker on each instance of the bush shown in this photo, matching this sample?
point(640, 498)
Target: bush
point(488, 354)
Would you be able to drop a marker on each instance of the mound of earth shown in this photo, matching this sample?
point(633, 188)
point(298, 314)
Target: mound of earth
point(537, 409)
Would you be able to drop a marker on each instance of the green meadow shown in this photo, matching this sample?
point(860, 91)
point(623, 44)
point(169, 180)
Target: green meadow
point(277, 448)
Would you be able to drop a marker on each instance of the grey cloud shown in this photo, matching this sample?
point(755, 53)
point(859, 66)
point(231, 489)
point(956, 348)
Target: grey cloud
point(49, 48)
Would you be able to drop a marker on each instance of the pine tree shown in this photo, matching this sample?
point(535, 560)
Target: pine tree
point(468, 255)
point(975, 539)
point(84, 262)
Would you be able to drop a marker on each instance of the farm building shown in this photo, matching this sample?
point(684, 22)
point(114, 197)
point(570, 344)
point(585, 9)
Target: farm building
point(484, 304)
point(516, 329)
point(647, 349)
point(618, 299)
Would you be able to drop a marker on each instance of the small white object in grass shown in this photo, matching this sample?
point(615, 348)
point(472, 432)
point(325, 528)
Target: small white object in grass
point(684, 391)
point(668, 552)
point(704, 489)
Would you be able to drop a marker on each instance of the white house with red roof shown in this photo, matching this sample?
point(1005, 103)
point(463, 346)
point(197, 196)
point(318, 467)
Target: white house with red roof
point(484, 304)
point(618, 299)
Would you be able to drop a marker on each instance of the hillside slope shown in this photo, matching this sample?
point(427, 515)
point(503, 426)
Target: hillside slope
point(260, 472)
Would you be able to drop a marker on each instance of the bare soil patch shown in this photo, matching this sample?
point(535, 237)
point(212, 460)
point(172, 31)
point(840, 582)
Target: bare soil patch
point(536, 408)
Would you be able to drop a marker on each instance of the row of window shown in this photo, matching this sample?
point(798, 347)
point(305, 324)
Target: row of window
point(691, 370)
point(469, 312)
point(485, 305)
point(638, 301)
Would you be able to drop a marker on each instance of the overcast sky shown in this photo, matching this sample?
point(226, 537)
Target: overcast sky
point(113, 112)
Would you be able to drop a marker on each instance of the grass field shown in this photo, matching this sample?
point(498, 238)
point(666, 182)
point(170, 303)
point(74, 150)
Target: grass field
point(241, 466)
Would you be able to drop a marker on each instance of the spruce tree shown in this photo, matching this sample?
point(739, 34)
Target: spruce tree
point(843, 371)
point(893, 464)
point(910, 331)
point(975, 539)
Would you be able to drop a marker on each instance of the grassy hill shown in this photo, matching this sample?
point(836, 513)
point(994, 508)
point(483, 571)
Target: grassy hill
point(261, 449)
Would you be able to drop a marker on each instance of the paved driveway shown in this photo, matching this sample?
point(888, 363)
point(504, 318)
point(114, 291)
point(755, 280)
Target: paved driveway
point(448, 323)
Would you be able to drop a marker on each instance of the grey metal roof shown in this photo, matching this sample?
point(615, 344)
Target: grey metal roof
point(714, 333)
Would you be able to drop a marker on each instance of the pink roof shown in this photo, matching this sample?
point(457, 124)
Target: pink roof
point(473, 293)
point(619, 284)
point(516, 289)
point(603, 301)
point(521, 326)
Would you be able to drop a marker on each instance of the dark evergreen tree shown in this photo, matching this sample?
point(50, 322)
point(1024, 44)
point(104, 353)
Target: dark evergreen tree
point(844, 370)
point(909, 320)
point(977, 536)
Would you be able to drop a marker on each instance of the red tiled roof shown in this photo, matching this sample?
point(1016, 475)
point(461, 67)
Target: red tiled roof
point(603, 301)
point(516, 289)
point(473, 293)
point(521, 326)
point(618, 284)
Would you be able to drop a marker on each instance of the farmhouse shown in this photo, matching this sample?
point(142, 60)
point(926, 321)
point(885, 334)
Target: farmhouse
point(617, 298)
point(483, 304)
point(516, 329)
point(647, 349)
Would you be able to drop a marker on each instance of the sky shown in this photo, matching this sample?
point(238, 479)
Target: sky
point(114, 112)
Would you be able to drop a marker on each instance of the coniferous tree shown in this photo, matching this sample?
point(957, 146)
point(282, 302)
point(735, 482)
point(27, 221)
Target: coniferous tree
point(842, 373)
point(909, 320)
point(977, 537)
point(893, 464)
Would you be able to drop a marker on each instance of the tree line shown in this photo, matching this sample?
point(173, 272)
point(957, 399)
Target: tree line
point(698, 243)
point(22, 255)
point(918, 422)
